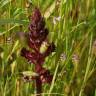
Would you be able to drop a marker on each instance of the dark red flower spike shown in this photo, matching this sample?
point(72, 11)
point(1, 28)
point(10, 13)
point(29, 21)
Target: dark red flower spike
point(35, 38)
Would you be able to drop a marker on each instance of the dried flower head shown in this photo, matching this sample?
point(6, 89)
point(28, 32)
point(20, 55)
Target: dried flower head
point(75, 58)
point(63, 57)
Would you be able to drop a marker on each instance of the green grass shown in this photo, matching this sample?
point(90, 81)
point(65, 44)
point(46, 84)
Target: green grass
point(74, 33)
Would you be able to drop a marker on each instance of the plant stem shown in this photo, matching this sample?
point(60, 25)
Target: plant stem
point(38, 87)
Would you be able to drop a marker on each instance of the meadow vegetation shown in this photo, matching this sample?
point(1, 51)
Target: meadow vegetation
point(72, 28)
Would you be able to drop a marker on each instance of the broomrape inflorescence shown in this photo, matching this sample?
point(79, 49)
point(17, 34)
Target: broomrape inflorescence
point(37, 40)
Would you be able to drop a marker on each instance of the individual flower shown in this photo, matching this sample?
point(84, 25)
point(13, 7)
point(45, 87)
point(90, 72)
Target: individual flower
point(45, 76)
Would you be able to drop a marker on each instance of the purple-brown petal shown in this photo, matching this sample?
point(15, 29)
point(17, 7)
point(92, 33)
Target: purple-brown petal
point(36, 16)
point(33, 45)
point(28, 55)
point(41, 24)
point(34, 57)
point(43, 34)
point(45, 76)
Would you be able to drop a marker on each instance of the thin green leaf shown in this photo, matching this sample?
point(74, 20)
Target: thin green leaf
point(13, 21)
